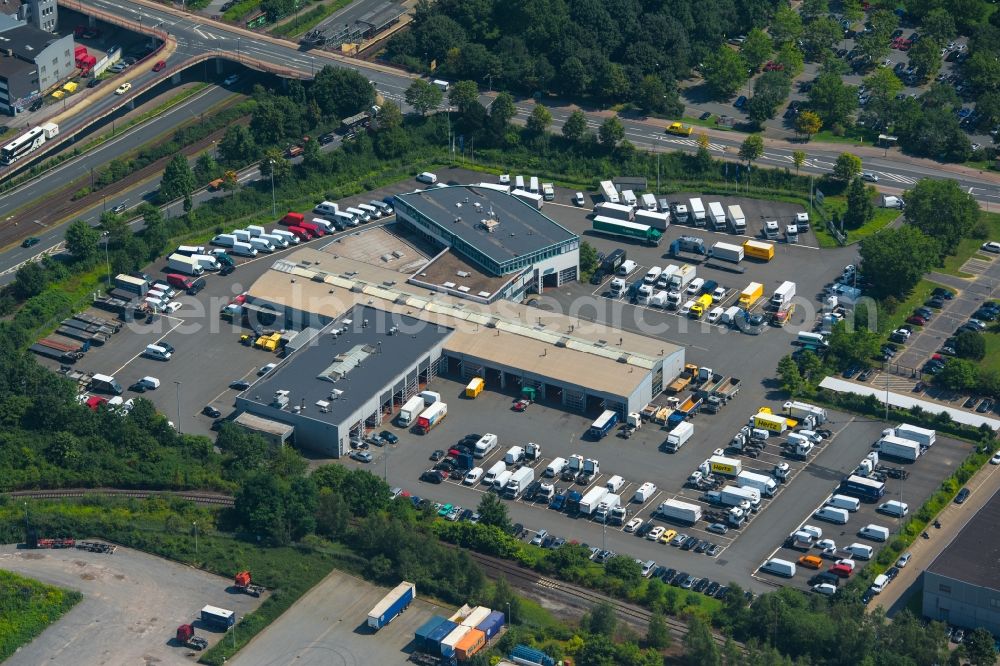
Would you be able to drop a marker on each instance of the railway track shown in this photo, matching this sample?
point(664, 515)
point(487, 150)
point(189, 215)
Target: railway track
point(209, 499)
point(531, 580)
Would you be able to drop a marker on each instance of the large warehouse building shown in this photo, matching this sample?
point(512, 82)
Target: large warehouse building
point(961, 586)
point(372, 342)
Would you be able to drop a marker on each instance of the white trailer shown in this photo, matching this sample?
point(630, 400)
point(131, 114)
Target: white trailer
point(800, 410)
point(682, 277)
point(783, 295)
point(922, 436)
point(727, 252)
point(897, 447)
point(736, 219)
point(761, 482)
point(590, 501)
point(698, 212)
point(649, 201)
point(614, 211)
point(733, 495)
point(608, 191)
point(717, 215)
point(656, 220)
point(679, 512)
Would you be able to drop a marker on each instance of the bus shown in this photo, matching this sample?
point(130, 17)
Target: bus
point(27, 143)
point(868, 490)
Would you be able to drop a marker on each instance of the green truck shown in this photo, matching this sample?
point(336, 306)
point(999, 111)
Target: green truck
point(612, 227)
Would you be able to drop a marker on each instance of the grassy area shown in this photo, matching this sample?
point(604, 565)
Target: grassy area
point(27, 607)
point(889, 322)
point(970, 246)
point(240, 9)
point(992, 359)
point(710, 122)
point(306, 21)
point(852, 135)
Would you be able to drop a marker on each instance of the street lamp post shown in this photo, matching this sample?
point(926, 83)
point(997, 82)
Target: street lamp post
point(177, 387)
point(509, 619)
point(274, 204)
point(195, 524)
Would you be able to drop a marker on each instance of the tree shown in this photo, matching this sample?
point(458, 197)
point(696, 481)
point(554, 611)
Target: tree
point(873, 46)
point(575, 126)
point(855, 347)
point(539, 120)
point(341, 92)
point(389, 117)
point(657, 634)
point(942, 210)
point(790, 56)
point(463, 95)
point(860, 209)
point(502, 111)
point(970, 345)
point(30, 280)
point(883, 22)
point(699, 645)
point(206, 168)
point(979, 648)
point(925, 56)
point(820, 36)
point(651, 95)
point(831, 100)
point(423, 96)
point(274, 162)
point(852, 10)
point(895, 260)
point(957, 375)
point(756, 49)
point(882, 87)
point(178, 179)
point(237, 145)
point(813, 9)
point(588, 258)
point(504, 597)
point(786, 26)
point(611, 132)
point(82, 240)
point(493, 512)
point(724, 71)
point(847, 167)
point(332, 515)
point(938, 25)
point(602, 620)
point(798, 156)
point(752, 148)
point(808, 123)
point(791, 378)
point(769, 92)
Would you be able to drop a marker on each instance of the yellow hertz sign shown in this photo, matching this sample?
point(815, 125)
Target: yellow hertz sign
point(723, 468)
point(768, 422)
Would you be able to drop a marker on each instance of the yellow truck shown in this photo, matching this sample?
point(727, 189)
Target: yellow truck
point(680, 129)
point(683, 379)
point(770, 422)
point(758, 250)
point(751, 295)
point(701, 306)
point(475, 387)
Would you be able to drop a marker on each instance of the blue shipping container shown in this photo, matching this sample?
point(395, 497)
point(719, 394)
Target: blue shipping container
point(492, 624)
point(529, 656)
point(421, 635)
point(439, 634)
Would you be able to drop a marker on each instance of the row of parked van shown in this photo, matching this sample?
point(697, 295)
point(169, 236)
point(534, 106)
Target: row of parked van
point(253, 239)
point(341, 217)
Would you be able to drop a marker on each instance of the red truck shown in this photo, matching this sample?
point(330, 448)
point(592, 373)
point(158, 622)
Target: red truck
point(292, 219)
point(243, 584)
point(300, 233)
point(186, 637)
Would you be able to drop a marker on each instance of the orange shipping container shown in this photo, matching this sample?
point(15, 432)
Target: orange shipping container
point(470, 644)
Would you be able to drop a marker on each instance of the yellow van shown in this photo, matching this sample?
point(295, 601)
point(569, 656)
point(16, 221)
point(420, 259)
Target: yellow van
point(475, 387)
point(811, 561)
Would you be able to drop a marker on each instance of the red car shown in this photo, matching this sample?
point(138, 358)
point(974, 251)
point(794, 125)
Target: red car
point(521, 405)
point(916, 319)
point(772, 66)
point(841, 570)
point(160, 66)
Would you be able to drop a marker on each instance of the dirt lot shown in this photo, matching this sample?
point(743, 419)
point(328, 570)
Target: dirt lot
point(132, 605)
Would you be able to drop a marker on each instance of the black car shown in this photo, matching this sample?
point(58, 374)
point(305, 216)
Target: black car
point(597, 277)
point(668, 575)
point(645, 529)
point(208, 410)
point(924, 312)
point(227, 269)
point(388, 437)
point(680, 576)
point(239, 385)
point(702, 546)
point(30, 241)
point(943, 293)
point(892, 572)
point(705, 116)
point(701, 585)
point(431, 476)
point(962, 495)
point(36, 105)
point(437, 455)
point(712, 588)
point(866, 375)
point(971, 402)
point(721, 592)
point(984, 314)
point(325, 139)
point(689, 543)
point(985, 406)
point(138, 387)
point(93, 83)
point(851, 371)
point(935, 302)
point(867, 596)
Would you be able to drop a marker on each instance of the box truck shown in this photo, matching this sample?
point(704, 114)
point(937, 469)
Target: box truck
point(676, 511)
point(783, 295)
point(590, 501)
point(697, 212)
point(410, 411)
point(716, 215)
point(899, 448)
point(922, 436)
point(766, 485)
point(677, 437)
point(604, 510)
point(751, 294)
point(726, 252)
point(801, 410)
point(737, 221)
point(183, 264)
point(431, 416)
point(725, 466)
point(519, 481)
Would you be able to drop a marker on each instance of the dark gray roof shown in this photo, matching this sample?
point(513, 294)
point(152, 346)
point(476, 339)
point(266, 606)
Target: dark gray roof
point(306, 374)
point(10, 67)
point(382, 15)
point(522, 229)
point(27, 41)
point(974, 555)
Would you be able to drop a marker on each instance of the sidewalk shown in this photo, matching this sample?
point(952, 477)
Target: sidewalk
point(953, 518)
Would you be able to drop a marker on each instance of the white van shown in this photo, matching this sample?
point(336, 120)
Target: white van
point(360, 214)
point(324, 224)
point(627, 267)
point(729, 316)
point(894, 508)
point(155, 304)
point(502, 478)
point(345, 219)
point(491, 475)
point(151, 383)
point(373, 212)
point(261, 245)
point(157, 352)
point(473, 476)
point(879, 583)
point(832, 514)
point(779, 567)
point(514, 455)
point(615, 483)
point(874, 532)
point(254, 230)
point(860, 551)
point(291, 238)
point(427, 177)
point(852, 504)
point(652, 275)
point(326, 208)
point(486, 443)
point(555, 467)
point(276, 240)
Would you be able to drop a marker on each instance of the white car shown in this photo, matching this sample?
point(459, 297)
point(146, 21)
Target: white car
point(995, 460)
point(633, 525)
point(695, 286)
point(825, 589)
point(172, 306)
point(266, 369)
point(123, 88)
point(991, 246)
point(539, 537)
point(714, 314)
point(827, 547)
point(719, 294)
point(869, 176)
point(656, 533)
point(578, 199)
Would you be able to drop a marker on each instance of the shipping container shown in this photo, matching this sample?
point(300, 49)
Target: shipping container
point(434, 638)
point(492, 625)
point(529, 656)
point(421, 635)
point(471, 643)
point(449, 642)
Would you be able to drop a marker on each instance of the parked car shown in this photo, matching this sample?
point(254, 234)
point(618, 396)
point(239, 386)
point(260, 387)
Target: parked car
point(962, 495)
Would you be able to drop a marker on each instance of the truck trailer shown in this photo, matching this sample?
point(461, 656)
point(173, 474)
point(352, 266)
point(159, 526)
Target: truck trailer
point(896, 447)
point(716, 215)
point(727, 252)
point(697, 212)
point(763, 483)
point(614, 211)
point(922, 436)
point(623, 229)
point(431, 416)
point(759, 250)
point(391, 605)
point(736, 219)
point(801, 410)
point(659, 221)
point(593, 498)
point(603, 425)
point(725, 466)
point(676, 511)
point(220, 618)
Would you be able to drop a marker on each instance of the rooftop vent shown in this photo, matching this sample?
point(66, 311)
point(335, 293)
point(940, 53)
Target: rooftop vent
point(463, 273)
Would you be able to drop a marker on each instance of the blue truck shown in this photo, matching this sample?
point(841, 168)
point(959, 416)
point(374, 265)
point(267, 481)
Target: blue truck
point(687, 409)
point(603, 425)
point(218, 618)
point(391, 605)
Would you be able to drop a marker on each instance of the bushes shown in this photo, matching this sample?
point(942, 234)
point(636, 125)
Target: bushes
point(27, 607)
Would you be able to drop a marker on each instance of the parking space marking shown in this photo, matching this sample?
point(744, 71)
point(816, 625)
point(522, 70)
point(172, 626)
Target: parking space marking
point(172, 328)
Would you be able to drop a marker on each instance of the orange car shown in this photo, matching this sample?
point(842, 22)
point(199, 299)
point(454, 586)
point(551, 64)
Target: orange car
point(811, 561)
point(160, 66)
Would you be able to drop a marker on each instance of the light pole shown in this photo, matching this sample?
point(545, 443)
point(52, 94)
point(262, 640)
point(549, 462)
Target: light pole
point(237, 48)
point(274, 205)
point(509, 619)
point(195, 524)
point(177, 387)
point(107, 259)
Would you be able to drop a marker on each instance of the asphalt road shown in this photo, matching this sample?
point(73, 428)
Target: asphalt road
point(197, 35)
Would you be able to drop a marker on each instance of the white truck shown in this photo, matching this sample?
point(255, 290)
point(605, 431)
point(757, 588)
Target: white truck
point(726, 252)
point(608, 191)
point(548, 192)
point(644, 492)
point(801, 410)
point(922, 436)
point(679, 436)
point(697, 212)
point(736, 219)
point(659, 221)
point(519, 481)
point(410, 411)
point(717, 215)
point(766, 485)
point(682, 277)
point(733, 495)
point(897, 447)
point(614, 211)
point(783, 295)
point(610, 502)
point(590, 501)
point(207, 262)
point(649, 201)
point(679, 512)
point(183, 264)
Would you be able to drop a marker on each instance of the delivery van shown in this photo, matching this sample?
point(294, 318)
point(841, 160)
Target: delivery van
point(555, 467)
point(779, 567)
point(157, 352)
point(860, 551)
point(874, 532)
point(493, 472)
point(832, 514)
point(486, 443)
point(852, 504)
point(894, 508)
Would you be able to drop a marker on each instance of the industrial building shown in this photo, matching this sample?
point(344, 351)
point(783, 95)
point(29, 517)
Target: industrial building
point(961, 586)
point(500, 235)
point(373, 340)
point(33, 58)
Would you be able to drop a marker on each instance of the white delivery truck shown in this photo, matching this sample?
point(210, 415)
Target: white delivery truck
point(590, 501)
point(737, 220)
point(649, 201)
point(766, 485)
point(677, 437)
point(922, 436)
point(644, 492)
point(679, 512)
point(410, 411)
point(555, 467)
point(607, 189)
point(698, 212)
point(186, 265)
point(716, 215)
point(783, 295)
